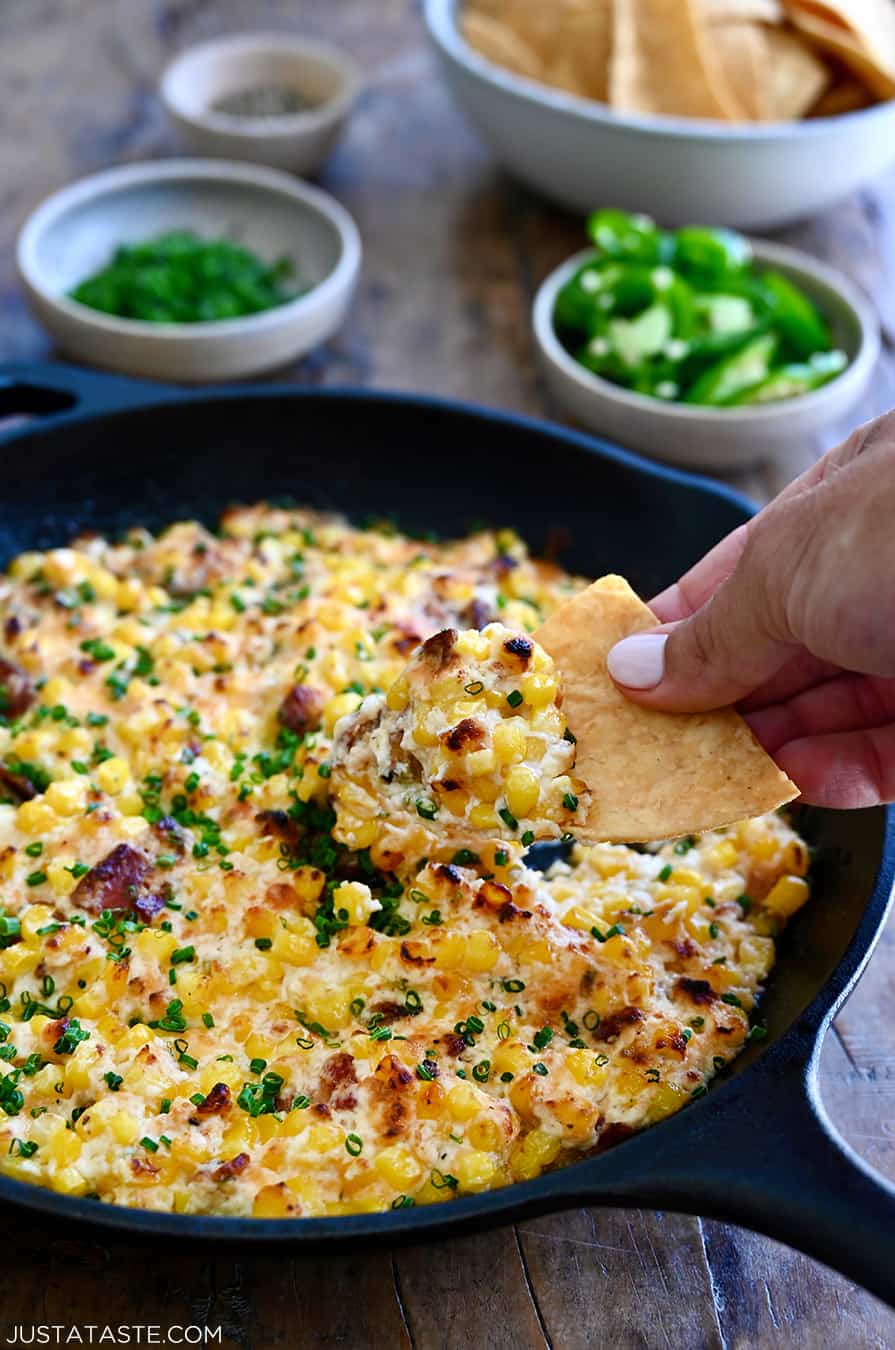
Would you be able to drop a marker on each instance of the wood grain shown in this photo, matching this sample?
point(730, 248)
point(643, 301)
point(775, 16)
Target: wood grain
point(453, 254)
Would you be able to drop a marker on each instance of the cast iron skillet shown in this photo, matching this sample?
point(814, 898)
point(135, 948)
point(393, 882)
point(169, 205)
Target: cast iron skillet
point(759, 1149)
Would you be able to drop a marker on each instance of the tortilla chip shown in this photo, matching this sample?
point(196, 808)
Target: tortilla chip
point(861, 33)
point(797, 76)
point(844, 96)
point(743, 58)
point(662, 62)
point(582, 46)
point(652, 775)
point(569, 39)
point(498, 43)
point(741, 11)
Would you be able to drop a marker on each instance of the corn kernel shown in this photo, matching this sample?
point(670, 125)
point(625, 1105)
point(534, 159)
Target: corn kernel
point(35, 817)
point(356, 898)
point(398, 696)
point(474, 1170)
point(124, 1127)
point(510, 1057)
point(482, 950)
point(338, 707)
point(463, 1102)
point(398, 1167)
point(535, 1151)
point(67, 796)
point(295, 949)
point(722, 855)
point(510, 739)
point(69, 1181)
point(785, 897)
point(34, 917)
point(480, 762)
point(485, 1134)
point(538, 690)
point(473, 645)
point(522, 791)
point(483, 817)
point(584, 1067)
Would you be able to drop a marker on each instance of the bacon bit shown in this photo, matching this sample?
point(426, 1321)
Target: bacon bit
point(16, 690)
point(143, 1167)
point(612, 1026)
point(464, 735)
point(685, 948)
point(614, 1134)
point(336, 1072)
point(17, 784)
point(388, 1012)
point(301, 709)
point(392, 1073)
point(453, 1045)
point(231, 1168)
point(216, 1101)
point(438, 650)
point(347, 1102)
point(406, 642)
point(321, 1109)
point(389, 1085)
point(113, 882)
point(503, 565)
point(509, 911)
point(86, 666)
point(478, 614)
point(700, 991)
point(678, 1043)
point(12, 627)
point(147, 906)
point(171, 833)
point(447, 872)
point(53, 1030)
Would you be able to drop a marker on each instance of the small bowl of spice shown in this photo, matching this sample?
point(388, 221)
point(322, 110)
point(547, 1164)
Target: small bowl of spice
point(189, 270)
point(273, 98)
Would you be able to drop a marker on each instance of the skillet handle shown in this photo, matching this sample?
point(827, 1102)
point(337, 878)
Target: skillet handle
point(762, 1152)
point(32, 391)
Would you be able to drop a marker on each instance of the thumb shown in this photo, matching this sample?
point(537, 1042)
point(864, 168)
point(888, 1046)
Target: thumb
point(738, 639)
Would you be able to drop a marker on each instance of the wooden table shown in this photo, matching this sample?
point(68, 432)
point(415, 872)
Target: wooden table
point(453, 253)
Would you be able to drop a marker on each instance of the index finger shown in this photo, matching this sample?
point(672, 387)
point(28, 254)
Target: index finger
point(700, 583)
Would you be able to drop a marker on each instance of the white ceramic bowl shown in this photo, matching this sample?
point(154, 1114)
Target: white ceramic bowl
point(300, 141)
point(581, 154)
point(75, 232)
point(716, 438)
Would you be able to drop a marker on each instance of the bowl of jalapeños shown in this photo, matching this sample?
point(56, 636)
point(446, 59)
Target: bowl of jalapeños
point(701, 346)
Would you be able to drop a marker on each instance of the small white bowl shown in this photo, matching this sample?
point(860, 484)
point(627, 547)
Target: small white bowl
point(298, 142)
point(582, 154)
point(76, 231)
point(716, 438)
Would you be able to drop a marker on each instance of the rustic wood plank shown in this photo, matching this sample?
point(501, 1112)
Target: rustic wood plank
point(642, 1279)
point(469, 1291)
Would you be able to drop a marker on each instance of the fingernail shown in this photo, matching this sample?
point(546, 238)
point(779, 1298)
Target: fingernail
point(638, 662)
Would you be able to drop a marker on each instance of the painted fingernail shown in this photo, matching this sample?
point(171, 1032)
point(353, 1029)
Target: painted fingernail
point(638, 662)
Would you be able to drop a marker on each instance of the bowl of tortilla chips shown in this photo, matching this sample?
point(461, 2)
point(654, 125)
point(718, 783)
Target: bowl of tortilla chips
point(749, 113)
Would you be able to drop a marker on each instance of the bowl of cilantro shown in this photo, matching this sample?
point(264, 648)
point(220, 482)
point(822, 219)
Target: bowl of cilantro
point(189, 270)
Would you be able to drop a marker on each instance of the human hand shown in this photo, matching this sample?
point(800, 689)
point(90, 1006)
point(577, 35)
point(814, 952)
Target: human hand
point(792, 617)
